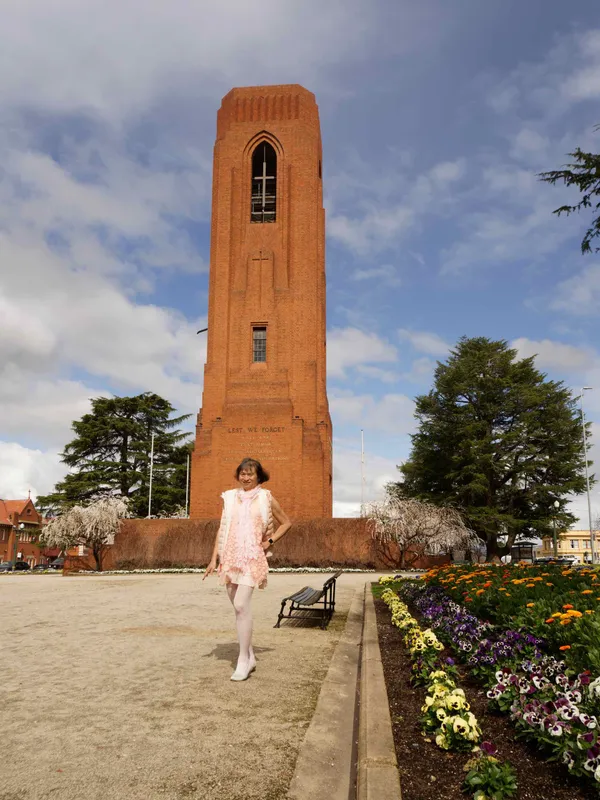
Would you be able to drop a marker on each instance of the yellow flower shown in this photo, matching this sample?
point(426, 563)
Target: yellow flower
point(480, 591)
point(530, 585)
point(587, 591)
point(549, 584)
point(556, 614)
point(530, 605)
point(565, 621)
point(588, 611)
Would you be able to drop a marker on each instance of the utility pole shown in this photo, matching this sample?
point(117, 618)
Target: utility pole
point(362, 471)
point(150, 484)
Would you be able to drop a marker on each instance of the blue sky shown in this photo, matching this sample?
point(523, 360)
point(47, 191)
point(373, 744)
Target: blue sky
point(435, 118)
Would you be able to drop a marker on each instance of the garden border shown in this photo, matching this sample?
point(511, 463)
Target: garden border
point(378, 774)
point(324, 769)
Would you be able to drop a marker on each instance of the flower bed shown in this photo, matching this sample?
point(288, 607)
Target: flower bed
point(560, 606)
point(446, 712)
point(550, 705)
point(431, 773)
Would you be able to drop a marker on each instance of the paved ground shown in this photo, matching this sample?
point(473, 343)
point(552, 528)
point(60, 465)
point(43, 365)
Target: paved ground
point(117, 687)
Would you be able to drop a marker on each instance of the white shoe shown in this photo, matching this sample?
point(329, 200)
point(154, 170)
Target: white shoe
point(242, 675)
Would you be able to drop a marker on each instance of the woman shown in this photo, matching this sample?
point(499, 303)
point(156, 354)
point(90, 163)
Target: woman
point(245, 534)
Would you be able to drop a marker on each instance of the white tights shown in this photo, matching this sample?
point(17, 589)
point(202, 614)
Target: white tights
point(240, 597)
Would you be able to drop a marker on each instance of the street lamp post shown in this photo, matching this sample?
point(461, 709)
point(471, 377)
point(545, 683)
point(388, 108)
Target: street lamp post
point(556, 507)
point(587, 476)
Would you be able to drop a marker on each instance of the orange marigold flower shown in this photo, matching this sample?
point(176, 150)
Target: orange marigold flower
point(530, 585)
point(502, 589)
point(549, 620)
point(565, 647)
point(479, 591)
point(567, 605)
point(565, 621)
point(530, 605)
point(587, 591)
point(549, 584)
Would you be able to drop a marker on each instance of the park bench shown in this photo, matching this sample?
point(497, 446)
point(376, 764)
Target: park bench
point(309, 603)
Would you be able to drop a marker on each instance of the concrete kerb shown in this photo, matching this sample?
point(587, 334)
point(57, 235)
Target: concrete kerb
point(325, 769)
point(378, 774)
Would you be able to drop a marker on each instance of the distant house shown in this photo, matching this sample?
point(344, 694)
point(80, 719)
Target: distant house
point(570, 543)
point(21, 543)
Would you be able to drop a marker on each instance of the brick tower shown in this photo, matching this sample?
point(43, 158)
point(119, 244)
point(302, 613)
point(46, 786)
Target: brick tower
point(264, 380)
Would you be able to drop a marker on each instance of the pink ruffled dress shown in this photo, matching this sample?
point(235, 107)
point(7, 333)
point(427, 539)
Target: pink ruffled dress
point(244, 560)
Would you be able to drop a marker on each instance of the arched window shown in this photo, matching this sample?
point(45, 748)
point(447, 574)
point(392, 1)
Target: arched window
point(264, 183)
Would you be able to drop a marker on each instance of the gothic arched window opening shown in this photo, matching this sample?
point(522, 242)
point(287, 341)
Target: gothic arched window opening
point(264, 183)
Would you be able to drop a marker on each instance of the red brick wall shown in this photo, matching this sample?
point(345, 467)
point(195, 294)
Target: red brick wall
point(270, 274)
point(156, 543)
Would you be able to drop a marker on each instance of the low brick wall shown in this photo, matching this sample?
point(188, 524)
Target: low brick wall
point(156, 543)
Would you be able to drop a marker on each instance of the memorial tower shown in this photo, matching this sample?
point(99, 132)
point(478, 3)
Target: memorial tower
point(265, 390)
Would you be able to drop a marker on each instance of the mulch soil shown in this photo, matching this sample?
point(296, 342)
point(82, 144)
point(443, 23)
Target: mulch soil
point(428, 773)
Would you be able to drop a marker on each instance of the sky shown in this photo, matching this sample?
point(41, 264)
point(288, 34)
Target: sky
point(435, 119)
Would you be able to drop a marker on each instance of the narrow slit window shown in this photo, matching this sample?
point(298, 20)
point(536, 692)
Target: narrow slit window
point(259, 344)
point(264, 183)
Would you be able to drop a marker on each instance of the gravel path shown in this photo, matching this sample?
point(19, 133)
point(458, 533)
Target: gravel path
point(118, 687)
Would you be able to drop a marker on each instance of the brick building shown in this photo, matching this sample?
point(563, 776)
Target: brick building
point(264, 379)
point(16, 543)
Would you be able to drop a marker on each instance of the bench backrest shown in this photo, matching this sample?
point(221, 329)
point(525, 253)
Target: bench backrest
point(333, 578)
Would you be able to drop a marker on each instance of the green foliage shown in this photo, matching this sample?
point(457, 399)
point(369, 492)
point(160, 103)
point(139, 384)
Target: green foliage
point(110, 456)
point(584, 174)
point(489, 779)
point(497, 441)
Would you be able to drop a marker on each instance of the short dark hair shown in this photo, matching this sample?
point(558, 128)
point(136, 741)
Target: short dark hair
point(252, 463)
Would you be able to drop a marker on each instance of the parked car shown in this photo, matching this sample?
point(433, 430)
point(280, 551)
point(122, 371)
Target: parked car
point(22, 566)
point(6, 566)
point(39, 567)
point(567, 561)
point(58, 563)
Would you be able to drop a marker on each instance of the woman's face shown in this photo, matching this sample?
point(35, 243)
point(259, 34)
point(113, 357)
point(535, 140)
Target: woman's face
point(248, 478)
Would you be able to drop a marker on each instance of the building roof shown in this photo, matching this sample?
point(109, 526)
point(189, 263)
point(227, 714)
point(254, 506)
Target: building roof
point(8, 507)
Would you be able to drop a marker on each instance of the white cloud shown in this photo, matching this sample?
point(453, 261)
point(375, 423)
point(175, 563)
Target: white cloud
point(555, 355)
point(22, 469)
point(350, 347)
point(579, 294)
point(116, 59)
point(377, 373)
point(386, 274)
point(368, 212)
point(390, 413)
point(425, 342)
point(347, 490)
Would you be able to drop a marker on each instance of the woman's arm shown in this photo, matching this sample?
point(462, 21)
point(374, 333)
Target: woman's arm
point(282, 520)
point(213, 561)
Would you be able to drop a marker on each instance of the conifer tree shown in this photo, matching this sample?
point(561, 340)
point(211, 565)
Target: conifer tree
point(110, 456)
point(498, 441)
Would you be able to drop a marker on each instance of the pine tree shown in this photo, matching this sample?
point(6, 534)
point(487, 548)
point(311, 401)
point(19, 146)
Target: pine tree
point(584, 174)
point(497, 441)
point(110, 456)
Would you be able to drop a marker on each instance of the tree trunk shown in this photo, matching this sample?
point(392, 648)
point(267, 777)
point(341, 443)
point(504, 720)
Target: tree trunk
point(493, 549)
point(98, 553)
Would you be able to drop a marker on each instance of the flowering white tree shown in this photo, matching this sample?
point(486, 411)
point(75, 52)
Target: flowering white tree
point(93, 526)
point(413, 528)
